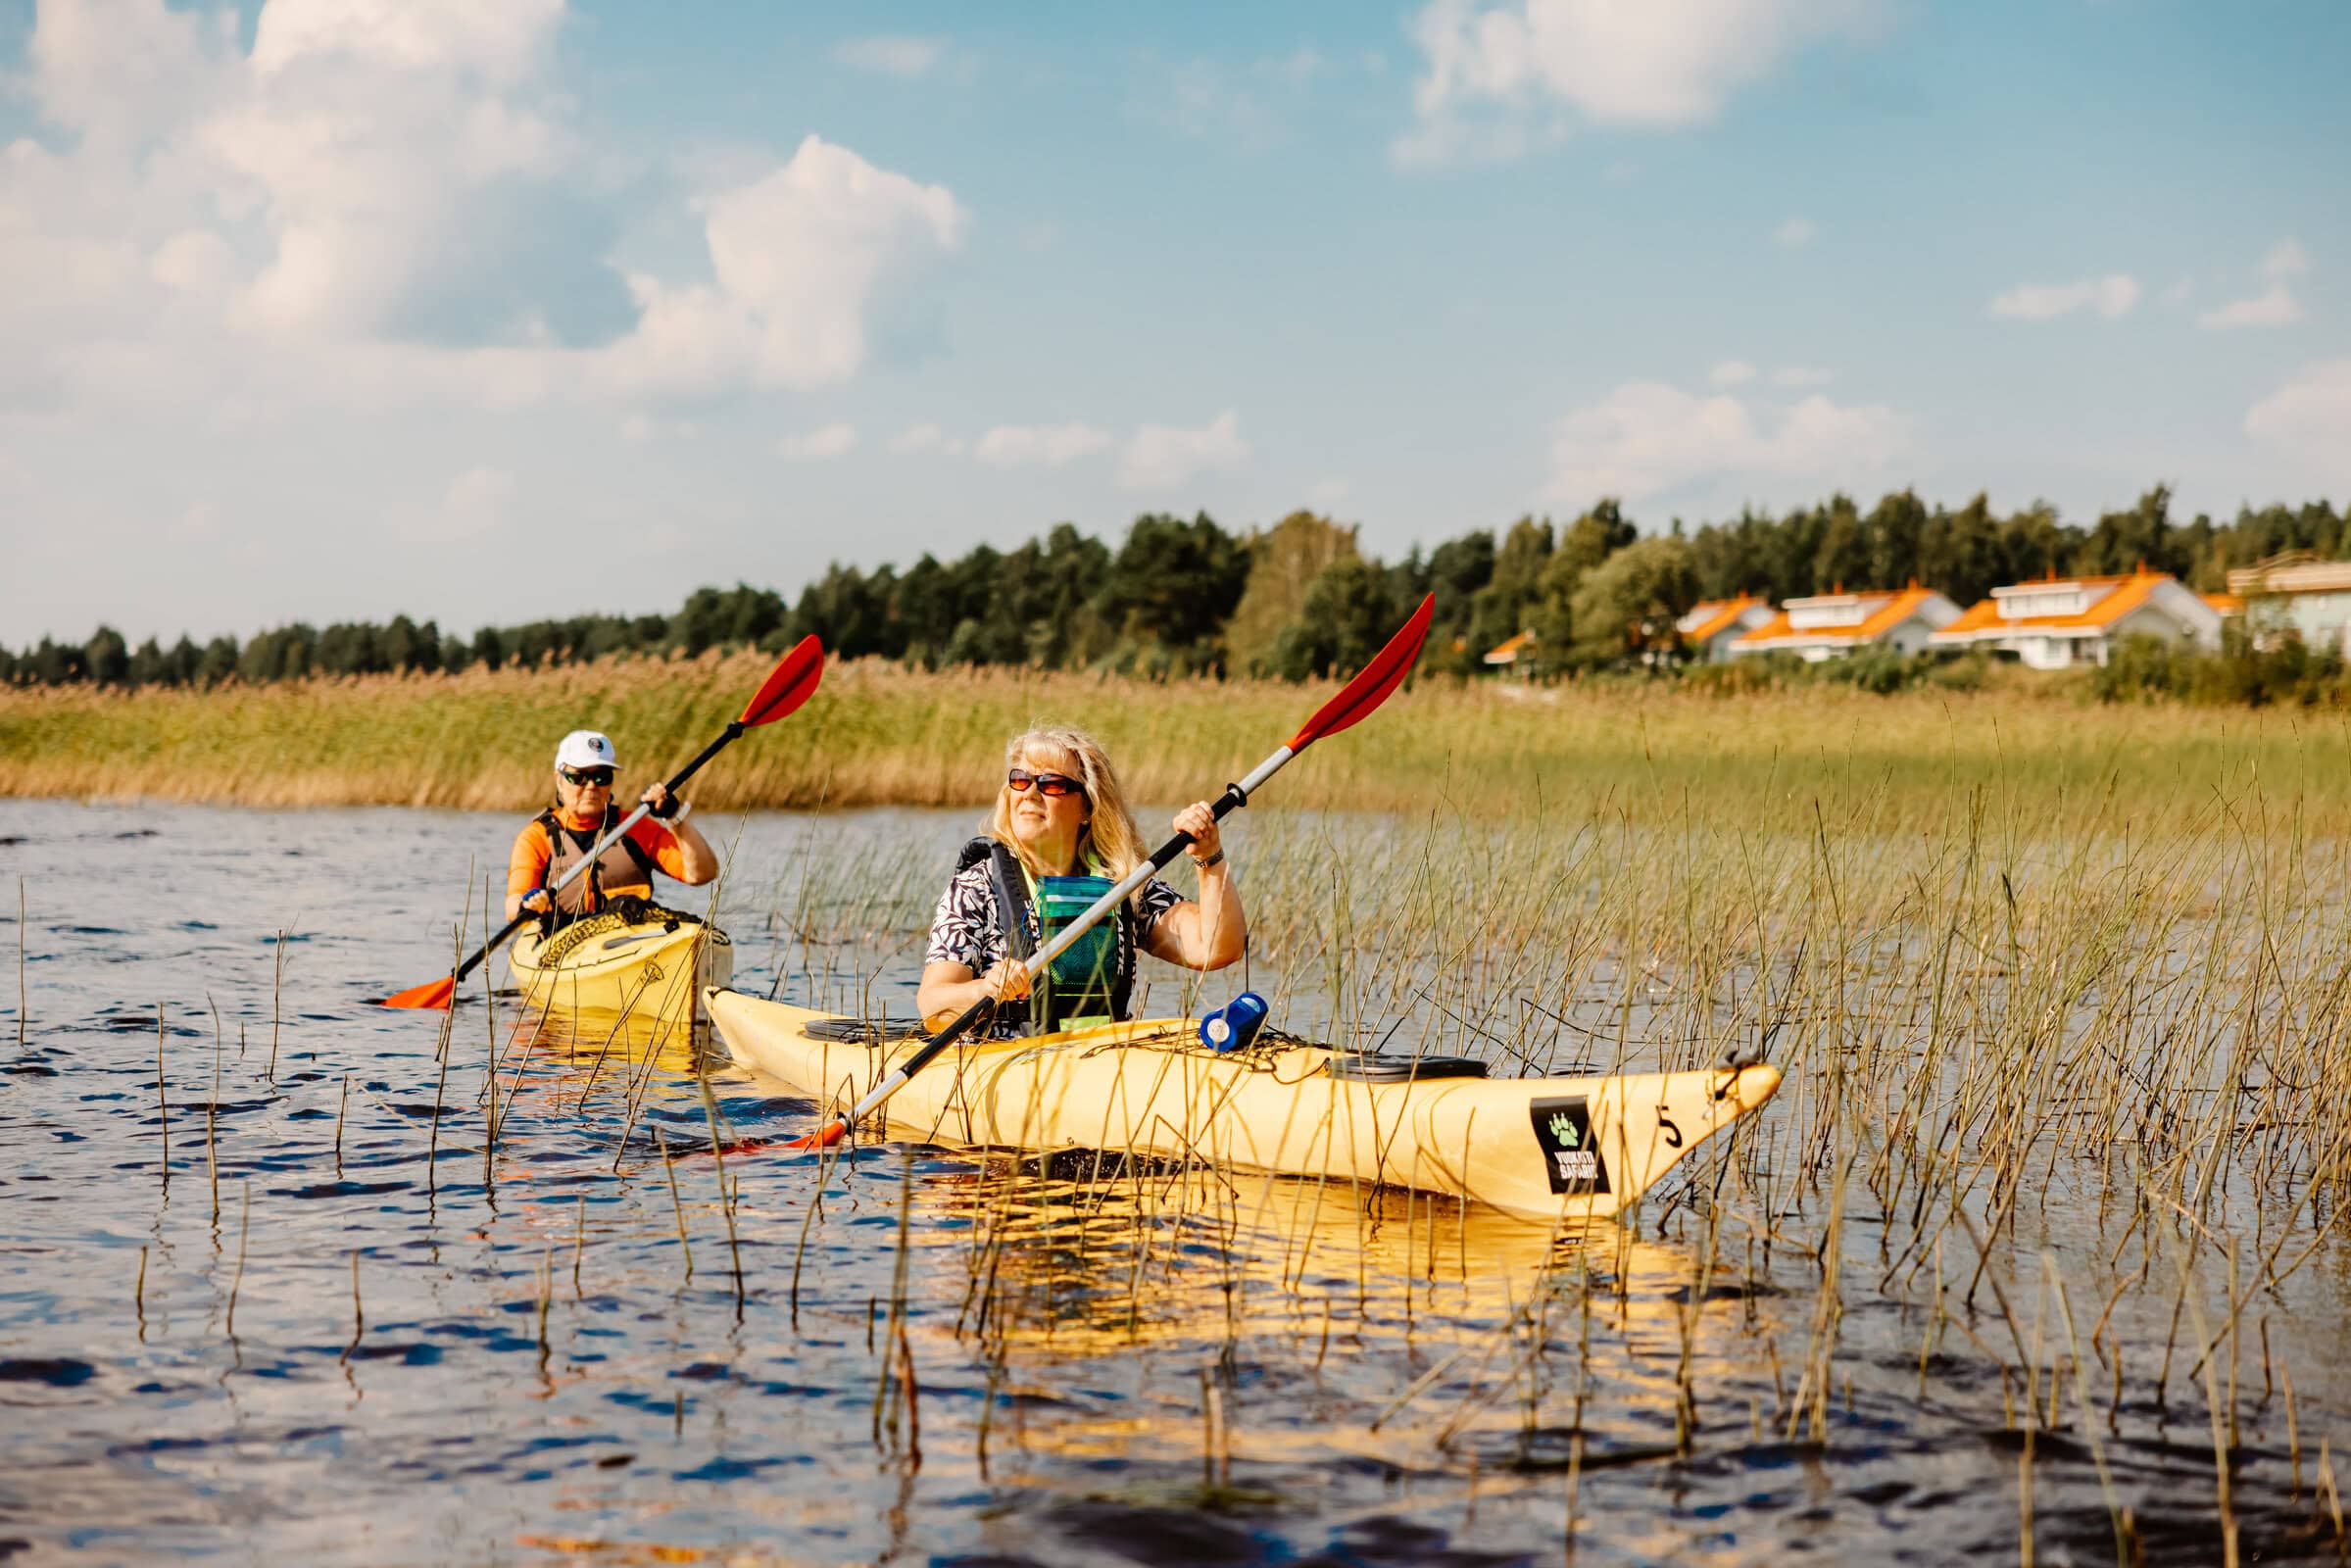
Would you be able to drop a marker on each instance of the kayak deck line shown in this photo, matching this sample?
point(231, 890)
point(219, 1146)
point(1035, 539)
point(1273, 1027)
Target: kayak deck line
point(1545, 1147)
point(605, 964)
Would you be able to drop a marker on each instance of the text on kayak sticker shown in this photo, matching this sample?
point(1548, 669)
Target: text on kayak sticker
point(1571, 1158)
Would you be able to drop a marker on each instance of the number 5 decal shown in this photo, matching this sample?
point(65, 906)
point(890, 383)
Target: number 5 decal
point(1672, 1134)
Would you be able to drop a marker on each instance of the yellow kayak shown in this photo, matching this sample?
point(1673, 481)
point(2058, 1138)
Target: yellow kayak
point(609, 963)
point(1545, 1147)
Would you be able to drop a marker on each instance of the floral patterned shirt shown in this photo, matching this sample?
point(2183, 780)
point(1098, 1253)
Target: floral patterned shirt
point(965, 929)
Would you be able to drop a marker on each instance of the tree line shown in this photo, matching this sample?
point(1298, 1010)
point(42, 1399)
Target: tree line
point(1297, 598)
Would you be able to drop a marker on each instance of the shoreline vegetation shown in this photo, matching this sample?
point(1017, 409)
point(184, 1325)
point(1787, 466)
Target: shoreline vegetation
point(1301, 599)
point(2040, 751)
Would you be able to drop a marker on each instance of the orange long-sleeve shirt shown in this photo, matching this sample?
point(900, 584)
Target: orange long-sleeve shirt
point(527, 866)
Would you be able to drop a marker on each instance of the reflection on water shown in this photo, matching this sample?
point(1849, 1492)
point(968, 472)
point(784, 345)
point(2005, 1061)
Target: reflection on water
point(415, 1297)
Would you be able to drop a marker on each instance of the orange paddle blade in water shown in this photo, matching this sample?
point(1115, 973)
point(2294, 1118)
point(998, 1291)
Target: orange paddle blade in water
point(432, 994)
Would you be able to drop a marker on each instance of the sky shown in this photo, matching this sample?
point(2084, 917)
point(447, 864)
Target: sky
point(334, 309)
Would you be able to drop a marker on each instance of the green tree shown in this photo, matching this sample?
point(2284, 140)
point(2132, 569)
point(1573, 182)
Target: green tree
point(1501, 609)
point(1584, 543)
point(1347, 616)
point(149, 666)
point(1894, 531)
point(2032, 544)
point(1171, 589)
point(1960, 553)
point(1628, 603)
point(1841, 562)
point(1456, 570)
point(1065, 628)
point(1285, 562)
point(1735, 558)
point(220, 660)
point(106, 658)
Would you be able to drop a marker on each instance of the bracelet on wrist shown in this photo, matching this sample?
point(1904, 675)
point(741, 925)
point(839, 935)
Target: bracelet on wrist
point(677, 814)
point(1200, 864)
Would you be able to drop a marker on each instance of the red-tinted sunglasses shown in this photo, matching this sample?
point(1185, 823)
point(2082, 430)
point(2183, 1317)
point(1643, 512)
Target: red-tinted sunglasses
point(1020, 778)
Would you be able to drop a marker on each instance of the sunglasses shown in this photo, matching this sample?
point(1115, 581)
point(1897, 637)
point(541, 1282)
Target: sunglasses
point(1020, 778)
point(588, 777)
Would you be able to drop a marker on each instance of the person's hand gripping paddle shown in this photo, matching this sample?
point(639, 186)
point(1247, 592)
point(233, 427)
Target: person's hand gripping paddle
point(786, 687)
point(1366, 692)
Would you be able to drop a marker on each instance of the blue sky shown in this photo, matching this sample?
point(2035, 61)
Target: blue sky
point(324, 309)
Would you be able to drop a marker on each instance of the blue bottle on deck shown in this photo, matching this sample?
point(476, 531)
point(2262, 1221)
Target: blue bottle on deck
point(1235, 1024)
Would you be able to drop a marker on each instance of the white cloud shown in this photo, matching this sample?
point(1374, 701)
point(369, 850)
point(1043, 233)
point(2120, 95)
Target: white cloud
point(1730, 372)
point(385, 203)
point(833, 440)
point(1501, 77)
point(2309, 419)
point(903, 56)
point(916, 438)
point(2111, 296)
point(1799, 377)
point(476, 503)
point(1795, 233)
point(2273, 306)
point(1163, 456)
point(500, 41)
point(1648, 438)
point(798, 257)
point(1048, 446)
point(2286, 258)
point(398, 157)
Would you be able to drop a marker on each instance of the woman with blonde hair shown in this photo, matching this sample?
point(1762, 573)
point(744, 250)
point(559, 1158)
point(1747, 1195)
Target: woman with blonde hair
point(1060, 837)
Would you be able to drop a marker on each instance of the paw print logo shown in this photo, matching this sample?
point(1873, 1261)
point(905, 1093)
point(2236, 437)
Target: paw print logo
point(1563, 1128)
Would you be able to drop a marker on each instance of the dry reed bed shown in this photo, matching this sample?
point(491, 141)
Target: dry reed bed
point(2068, 1092)
point(876, 734)
point(2063, 995)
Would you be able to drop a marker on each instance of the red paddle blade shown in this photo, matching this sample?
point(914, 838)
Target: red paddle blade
point(789, 684)
point(1373, 683)
point(433, 994)
point(824, 1137)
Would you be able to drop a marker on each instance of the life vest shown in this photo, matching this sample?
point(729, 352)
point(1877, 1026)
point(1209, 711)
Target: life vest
point(625, 863)
point(1091, 982)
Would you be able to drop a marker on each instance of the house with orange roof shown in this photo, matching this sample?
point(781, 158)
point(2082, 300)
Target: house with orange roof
point(1513, 653)
point(2296, 592)
point(2077, 620)
point(1832, 626)
point(1710, 627)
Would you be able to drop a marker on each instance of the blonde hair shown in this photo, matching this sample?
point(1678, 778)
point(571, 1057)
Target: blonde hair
point(1109, 835)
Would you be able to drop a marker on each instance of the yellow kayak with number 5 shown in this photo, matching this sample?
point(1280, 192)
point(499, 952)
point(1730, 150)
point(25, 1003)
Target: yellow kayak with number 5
point(1548, 1148)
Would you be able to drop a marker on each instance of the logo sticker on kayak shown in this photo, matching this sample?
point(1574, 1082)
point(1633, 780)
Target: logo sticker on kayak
point(1571, 1160)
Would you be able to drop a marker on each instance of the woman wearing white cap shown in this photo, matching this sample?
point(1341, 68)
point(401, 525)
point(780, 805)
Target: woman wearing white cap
point(583, 812)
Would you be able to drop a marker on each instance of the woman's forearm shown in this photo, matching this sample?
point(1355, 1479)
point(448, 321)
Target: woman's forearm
point(947, 1000)
point(1222, 926)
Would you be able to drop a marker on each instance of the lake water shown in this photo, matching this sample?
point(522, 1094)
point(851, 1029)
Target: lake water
point(351, 1329)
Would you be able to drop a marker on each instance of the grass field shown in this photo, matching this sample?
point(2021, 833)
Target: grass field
point(876, 734)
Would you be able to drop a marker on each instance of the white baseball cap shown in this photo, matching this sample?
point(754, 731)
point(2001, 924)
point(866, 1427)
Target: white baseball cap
point(586, 747)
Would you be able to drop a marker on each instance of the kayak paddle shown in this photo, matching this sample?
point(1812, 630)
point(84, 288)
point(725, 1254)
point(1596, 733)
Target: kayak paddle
point(1370, 688)
point(786, 687)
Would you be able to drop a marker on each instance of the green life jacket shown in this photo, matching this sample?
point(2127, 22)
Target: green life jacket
point(1093, 981)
